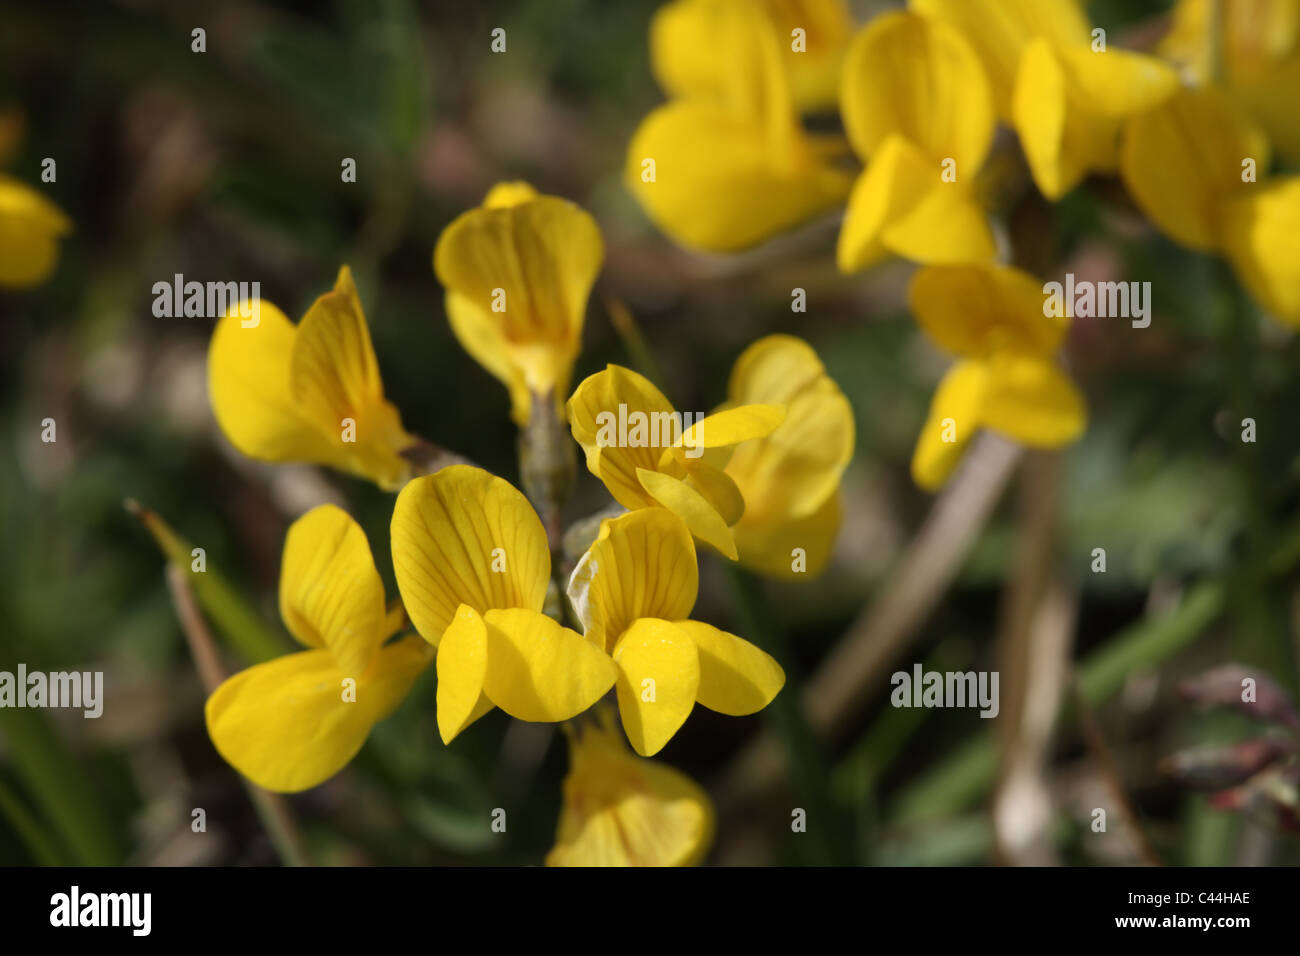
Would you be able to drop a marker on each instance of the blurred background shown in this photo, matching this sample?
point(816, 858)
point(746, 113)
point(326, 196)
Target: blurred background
point(225, 165)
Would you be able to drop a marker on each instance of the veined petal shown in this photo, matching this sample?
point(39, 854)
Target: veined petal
point(768, 546)
point(481, 336)
point(331, 596)
point(464, 536)
point(955, 416)
point(292, 723)
point(736, 678)
point(528, 267)
point(1262, 237)
point(976, 309)
point(620, 810)
point(642, 565)
point(1030, 400)
point(699, 514)
point(912, 76)
point(30, 227)
point(1182, 161)
point(540, 671)
point(462, 671)
point(658, 678)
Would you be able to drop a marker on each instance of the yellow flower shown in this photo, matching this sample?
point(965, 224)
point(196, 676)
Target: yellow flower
point(472, 566)
point(620, 810)
point(633, 591)
point(1186, 163)
point(518, 271)
point(683, 47)
point(1258, 45)
point(648, 456)
point(918, 110)
point(30, 225)
point(790, 479)
point(309, 392)
point(1007, 379)
point(293, 722)
point(727, 165)
point(1065, 92)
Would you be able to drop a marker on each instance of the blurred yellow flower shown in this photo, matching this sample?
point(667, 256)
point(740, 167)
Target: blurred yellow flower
point(1258, 47)
point(918, 111)
point(517, 271)
point(1196, 167)
point(309, 392)
point(472, 565)
point(726, 164)
point(621, 810)
point(789, 479)
point(632, 591)
point(30, 225)
point(1007, 379)
point(293, 722)
point(649, 456)
point(1059, 83)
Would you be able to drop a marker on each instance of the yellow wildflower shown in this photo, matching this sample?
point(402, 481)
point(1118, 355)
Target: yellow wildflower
point(728, 164)
point(1007, 379)
point(472, 565)
point(648, 456)
point(30, 225)
point(518, 271)
point(633, 591)
point(620, 810)
point(918, 111)
point(790, 479)
point(1059, 83)
point(1191, 165)
point(309, 392)
point(293, 722)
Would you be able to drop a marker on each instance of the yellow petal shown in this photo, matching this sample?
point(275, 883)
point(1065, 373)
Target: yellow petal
point(331, 596)
point(528, 269)
point(463, 536)
point(288, 725)
point(1262, 236)
point(733, 426)
point(614, 401)
point(540, 671)
point(718, 186)
point(462, 670)
point(918, 78)
point(642, 565)
point(620, 810)
point(1039, 109)
point(792, 548)
point(483, 338)
point(736, 678)
point(690, 506)
point(975, 310)
point(1182, 162)
point(504, 195)
point(955, 416)
point(658, 678)
point(901, 204)
point(1029, 399)
point(1117, 82)
point(30, 227)
point(719, 489)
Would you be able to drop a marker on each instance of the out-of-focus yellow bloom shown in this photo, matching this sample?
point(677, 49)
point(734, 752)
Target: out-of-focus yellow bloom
point(1065, 93)
point(1258, 44)
point(812, 35)
point(472, 565)
point(790, 479)
point(310, 392)
point(633, 591)
point(649, 456)
point(30, 225)
point(293, 722)
point(518, 270)
point(728, 165)
point(918, 110)
point(1007, 379)
point(621, 810)
point(1187, 164)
